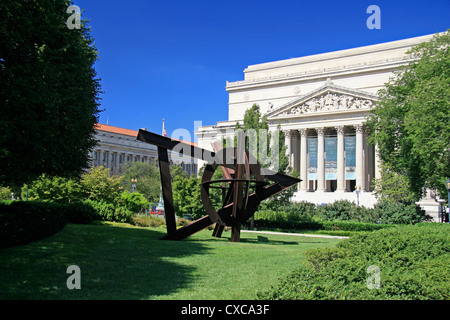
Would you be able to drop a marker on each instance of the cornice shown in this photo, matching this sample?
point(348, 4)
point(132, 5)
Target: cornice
point(391, 63)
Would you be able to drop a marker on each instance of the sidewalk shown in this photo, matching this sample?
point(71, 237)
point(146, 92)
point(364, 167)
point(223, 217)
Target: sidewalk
point(297, 234)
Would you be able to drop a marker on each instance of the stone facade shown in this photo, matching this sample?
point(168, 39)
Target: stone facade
point(321, 103)
point(117, 146)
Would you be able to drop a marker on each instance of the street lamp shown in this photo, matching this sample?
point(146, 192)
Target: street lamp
point(357, 191)
point(133, 184)
point(447, 184)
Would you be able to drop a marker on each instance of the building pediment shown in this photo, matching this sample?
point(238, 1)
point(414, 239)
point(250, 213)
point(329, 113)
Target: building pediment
point(326, 99)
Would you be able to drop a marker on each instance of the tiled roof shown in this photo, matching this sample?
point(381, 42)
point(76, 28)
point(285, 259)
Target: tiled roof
point(107, 128)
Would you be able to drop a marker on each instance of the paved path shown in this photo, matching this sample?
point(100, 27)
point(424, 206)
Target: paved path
point(297, 234)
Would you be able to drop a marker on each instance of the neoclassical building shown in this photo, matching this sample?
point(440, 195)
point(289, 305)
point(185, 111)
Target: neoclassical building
point(117, 146)
point(321, 103)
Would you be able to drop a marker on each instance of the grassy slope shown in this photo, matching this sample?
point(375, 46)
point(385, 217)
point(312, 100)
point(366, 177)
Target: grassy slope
point(120, 262)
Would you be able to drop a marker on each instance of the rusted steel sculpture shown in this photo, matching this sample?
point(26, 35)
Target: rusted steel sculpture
point(244, 186)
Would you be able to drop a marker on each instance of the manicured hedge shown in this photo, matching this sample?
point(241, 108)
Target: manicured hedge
point(79, 212)
point(269, 219)
point(24, 221)
point(411, 261)
point(384, 212)
point(108, 211)
point(341, 215)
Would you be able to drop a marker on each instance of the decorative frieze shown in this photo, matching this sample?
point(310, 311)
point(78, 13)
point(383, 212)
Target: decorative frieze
point(328, 102)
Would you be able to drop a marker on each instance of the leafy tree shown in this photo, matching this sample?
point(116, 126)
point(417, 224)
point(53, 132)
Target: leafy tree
point(54, 189)
point(186, 196)
point(177, 171)
point(254, 120)
point(99, 184)
point(49, 92)
point(254, 125)
point(133, 201)
point(410, 123)
point(148, 180)
point(5, 193)
point(393, 187)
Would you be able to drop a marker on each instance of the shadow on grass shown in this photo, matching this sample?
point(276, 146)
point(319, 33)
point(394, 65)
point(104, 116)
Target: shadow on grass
point(255, 239)
point(115, 263)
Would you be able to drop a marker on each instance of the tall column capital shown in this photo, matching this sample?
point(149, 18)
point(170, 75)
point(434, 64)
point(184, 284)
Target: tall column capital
point(320, 131)
point(340, 129)
point(359, 128)
point(294, 134)
point(303, 132)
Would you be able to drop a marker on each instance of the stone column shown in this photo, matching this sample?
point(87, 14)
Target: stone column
point(100, 158)
point(360, 175)
point(340, 159)
point(320, 160)
point(116, 161)
point(303, 160)
point(287, 142)
point(108, 159)
point(98, 155)
point(295, 143)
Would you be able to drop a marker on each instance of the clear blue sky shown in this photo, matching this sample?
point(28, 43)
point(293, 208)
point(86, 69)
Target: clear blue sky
point(171, 58)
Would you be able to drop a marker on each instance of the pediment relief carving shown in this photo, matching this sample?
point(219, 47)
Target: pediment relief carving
point(327, 102)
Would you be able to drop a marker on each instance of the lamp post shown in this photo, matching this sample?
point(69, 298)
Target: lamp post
point(447, 184)
point(357, 191)
point(133, 184)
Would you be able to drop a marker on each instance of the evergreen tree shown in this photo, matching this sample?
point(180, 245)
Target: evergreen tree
point(49, 93)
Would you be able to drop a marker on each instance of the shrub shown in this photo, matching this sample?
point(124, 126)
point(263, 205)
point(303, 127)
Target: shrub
point(299, 211)
point(22, 222)
point(104, 210)
point(352, 226)
point(109, 212)
point(287, 216)
point(148, 221)
point(338, 210)
point(385, 212)
point(79, 212)
point(181, 222)
point(122, 214)
point(155, 222)
point(399, 213)
point(341, 215)
point(133, 201)
point(53, 189)
point(410, 258)
point(363, 214)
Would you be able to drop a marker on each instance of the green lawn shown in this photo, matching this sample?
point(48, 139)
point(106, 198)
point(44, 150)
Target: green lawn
point(123, 262)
